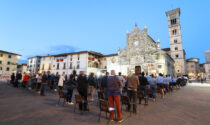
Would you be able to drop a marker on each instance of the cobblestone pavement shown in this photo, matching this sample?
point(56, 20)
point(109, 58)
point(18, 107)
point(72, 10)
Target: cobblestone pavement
point(189, 105)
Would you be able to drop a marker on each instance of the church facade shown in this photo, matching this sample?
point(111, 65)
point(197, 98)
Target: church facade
point(141, 50)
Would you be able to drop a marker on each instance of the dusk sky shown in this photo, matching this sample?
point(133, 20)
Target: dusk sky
point(40, 27)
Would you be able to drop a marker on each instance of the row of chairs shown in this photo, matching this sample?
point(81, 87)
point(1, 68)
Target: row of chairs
point(103, 102)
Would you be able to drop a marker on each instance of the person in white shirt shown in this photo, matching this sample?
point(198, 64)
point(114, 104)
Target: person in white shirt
point(159, 82)
point(61, 81)
point(166, 83)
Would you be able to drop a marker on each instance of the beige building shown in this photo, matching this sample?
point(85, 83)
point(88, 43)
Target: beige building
point(207, 70)
point(176, 48)
point(193, 68)
point(22, 68)
point(8, 62)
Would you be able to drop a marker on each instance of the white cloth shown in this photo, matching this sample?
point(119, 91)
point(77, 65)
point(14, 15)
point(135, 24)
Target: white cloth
point(61, 80)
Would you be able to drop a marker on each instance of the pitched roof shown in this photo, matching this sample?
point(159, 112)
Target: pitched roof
point(115, 54)
point(9, 53)
point(166, 49)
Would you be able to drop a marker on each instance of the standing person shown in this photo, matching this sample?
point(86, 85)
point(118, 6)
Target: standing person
point(159, 81)
point(44, 84)
point(18, 79)
point(166, 83)
point(13, 79)
point(153, 86)
point(52, 81)
point(56, 81)
point(25, 80)
point(104, 85)
point(30, 81)
point(122, 81)
point(173, 81)
point(83, 90)
point(39, 82)
point(113, 86)
point(71, 84)
point(92, 85)
point(132, 86)
point(143, 86)
point(61, 81)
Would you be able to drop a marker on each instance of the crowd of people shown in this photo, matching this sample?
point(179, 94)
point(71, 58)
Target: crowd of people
point(111, 85)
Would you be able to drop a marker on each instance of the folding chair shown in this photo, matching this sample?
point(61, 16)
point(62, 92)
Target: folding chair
point(62, 95)
point(140, 95)
point(125, 100)
point(104, 107)
point(78, 100)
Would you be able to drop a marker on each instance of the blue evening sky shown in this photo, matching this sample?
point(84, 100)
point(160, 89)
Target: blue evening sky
point(39, 27)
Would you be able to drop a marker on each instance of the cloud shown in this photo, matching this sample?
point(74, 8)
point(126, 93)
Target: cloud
point(61, 49)
point(52, 50)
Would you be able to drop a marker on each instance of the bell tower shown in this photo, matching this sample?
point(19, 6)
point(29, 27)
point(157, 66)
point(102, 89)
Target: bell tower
point(176, 48)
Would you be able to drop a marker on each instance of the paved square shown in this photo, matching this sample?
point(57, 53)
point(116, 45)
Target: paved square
point(188, 106)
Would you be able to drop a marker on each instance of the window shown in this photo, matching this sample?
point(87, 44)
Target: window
point(78, 57)
point(49, 66)
point(42, 66)
point(177, 56)
point(1, 55)
point(7, 68)
point(0, 68)
point(57, 65)
point(64, 66)
point(78, 65)
point(174, 32)
point(70, 65)
point(176, 48)
point(8, 63)
point(175, 41)
point(158, 57)
point(0, 62)
point(173, 21)
point(9, 56)
point(159, 66)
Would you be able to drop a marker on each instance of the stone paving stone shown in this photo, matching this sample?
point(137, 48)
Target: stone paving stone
point(189, 105)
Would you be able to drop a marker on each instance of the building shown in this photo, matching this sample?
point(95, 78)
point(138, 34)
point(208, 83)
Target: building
point(22, 68)
point(207, 56)
point(142, 51)
point(193, 67)
point(207, 70)
point(33, 65)
point(8, 62)
point(86, 61)
point(176, 48)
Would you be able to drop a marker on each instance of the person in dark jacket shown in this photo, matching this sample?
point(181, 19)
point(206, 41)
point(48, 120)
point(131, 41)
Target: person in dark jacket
point(83, 90)
point(44, 83)
point(92, 85)
point(13, 78)
point(57, 76)
point(18, 79)
point(143, 85)
point(104, 85)
point(71, 84)
point(52, 81)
